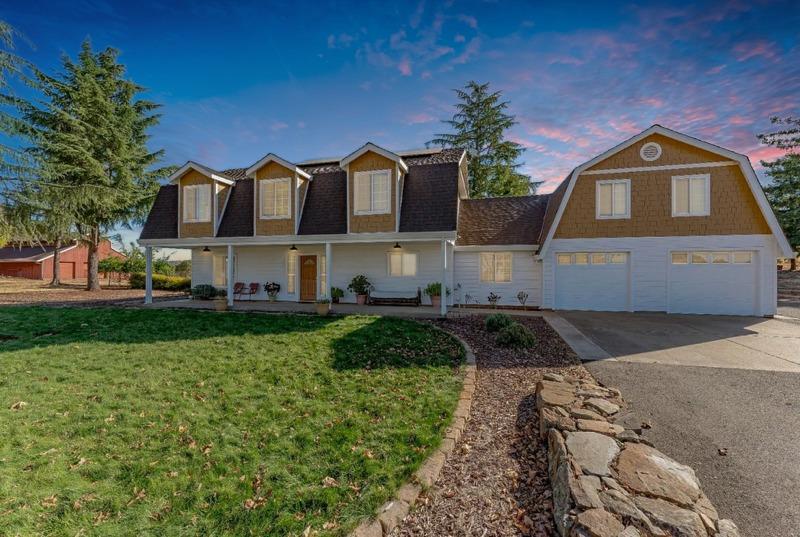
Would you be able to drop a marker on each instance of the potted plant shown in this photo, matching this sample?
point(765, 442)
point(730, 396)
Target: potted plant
point(336, 294)
point(220, 301)
point(323, 306)
point(493, 299)
point(272, 289)
point(434, 290)
point(361, 287)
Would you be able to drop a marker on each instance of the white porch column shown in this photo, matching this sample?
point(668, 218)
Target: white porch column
point(443, 297)
point(148, 275)
point(229, 272)
point(328, 269)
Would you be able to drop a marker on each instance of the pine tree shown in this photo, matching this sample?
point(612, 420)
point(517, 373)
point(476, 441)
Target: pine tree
point(91, 134)
point(784, 190)
point(479, 126)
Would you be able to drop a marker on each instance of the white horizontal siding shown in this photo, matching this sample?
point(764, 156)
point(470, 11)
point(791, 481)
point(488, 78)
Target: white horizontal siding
point(649, 263)
point(526, 275)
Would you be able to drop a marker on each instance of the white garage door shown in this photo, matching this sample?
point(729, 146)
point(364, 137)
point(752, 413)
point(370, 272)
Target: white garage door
point(721, 282)
point(592, 281)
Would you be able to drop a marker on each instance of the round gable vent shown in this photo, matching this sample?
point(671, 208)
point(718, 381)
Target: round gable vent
point(650, 151)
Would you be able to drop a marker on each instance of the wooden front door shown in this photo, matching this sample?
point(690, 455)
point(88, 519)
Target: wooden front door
point(308, 278)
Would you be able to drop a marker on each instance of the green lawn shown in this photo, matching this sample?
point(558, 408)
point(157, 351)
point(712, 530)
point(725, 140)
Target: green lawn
point(149, 422)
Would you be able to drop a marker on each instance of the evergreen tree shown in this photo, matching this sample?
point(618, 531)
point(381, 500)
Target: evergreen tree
point(479, 126)
point(784, 190)
point(91, 135)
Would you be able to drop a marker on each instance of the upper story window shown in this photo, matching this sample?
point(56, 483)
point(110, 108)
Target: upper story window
point(496, 267)
point(274, 198)
point(614, 198)
point(691, 195)
point(197, 203)
point(372, 192)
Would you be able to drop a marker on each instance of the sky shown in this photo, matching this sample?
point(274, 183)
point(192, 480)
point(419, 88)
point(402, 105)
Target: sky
point(304, 80)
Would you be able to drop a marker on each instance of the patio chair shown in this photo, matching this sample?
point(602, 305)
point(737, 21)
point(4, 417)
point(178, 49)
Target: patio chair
point(252, 290)
point(238, 289)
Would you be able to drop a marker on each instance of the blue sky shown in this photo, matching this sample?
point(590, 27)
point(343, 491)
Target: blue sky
point(317, 79)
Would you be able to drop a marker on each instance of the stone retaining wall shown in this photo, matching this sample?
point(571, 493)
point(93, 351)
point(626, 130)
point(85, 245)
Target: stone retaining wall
point(607, 479)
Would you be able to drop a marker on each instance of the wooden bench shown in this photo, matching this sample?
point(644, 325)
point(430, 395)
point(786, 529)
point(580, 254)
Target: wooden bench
point(394, 298)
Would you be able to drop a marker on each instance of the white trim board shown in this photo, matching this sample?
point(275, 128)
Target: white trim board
point(369, 146)
point(637, 169)
point(272, 157)
point(208, 172)
point(283, 240)
point(742, 160)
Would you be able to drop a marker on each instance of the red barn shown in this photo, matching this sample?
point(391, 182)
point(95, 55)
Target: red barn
point(36, 262)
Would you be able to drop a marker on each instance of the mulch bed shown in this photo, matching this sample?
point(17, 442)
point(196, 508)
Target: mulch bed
point(495, 482)
point(79, 297)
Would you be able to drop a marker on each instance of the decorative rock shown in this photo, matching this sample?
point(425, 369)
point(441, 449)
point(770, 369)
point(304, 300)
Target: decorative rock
point(599, 523)
point(628, 419)
point(620, 504)
point(428, 473)
point(593, 392)
point(562, 500)
point(369, 528)
point(727, 528)
point(554, 394)
point(630, 531)
point(676, 521)
point(409, 493)
point(648, 471)
point(556, 452)
point(605, 407)
point(592, 452)
point(555, 377)
point(602, 427)
point(585, 414)
point(704, 507)
point(391, 514)
point(584, 491)
point(629, 436)
point(612, 483)
point(549, 418)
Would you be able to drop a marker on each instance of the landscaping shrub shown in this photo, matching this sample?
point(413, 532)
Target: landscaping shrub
point(206, 292)
point(515, 335)
point(160, 281)
point(496, 321)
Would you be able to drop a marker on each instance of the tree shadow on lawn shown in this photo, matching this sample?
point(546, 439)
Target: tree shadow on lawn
point(35, 327)
point(396, 343)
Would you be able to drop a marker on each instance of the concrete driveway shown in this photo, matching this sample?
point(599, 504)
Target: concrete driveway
point(707, 383)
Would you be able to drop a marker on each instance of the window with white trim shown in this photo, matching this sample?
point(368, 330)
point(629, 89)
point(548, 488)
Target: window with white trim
point(496, 267)
point(373, 192)
point(401, 263)
point(274, 198)
point(691, 195)
point(614, 198)
point(712, 258)
point(197, 203)
point(291, 272)
point(323, 276)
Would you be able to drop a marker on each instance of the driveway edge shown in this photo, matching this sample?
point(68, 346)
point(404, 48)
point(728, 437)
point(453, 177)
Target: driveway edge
point(392, 513)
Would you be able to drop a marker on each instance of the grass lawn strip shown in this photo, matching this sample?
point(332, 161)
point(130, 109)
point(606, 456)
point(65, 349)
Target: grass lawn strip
point(123, 422)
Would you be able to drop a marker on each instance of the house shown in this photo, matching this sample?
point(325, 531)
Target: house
point(661, 222)
point(35, 262)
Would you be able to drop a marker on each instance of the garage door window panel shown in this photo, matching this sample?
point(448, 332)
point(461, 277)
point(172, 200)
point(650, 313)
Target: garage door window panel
point(742, 257)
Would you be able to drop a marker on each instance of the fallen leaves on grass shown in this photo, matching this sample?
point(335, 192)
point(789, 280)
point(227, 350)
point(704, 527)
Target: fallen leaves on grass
point(19, 405)
point(50, 501)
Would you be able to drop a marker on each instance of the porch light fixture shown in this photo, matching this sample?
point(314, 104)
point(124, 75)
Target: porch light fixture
point(206, 249)
point(397, 246)
point(293, 248)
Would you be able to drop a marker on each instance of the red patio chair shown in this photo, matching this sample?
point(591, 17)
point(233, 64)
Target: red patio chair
point(238, 289)
point(253, 290)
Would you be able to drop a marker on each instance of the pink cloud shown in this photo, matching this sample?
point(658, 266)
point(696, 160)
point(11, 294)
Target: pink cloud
point(746, 50)
point(715, 70)
point(655, 102)
point(739, 120)
point(422, 117)
point(278, 126)
point(404, 67)
point(469, 20)
point(764, 153)
point(553, 133)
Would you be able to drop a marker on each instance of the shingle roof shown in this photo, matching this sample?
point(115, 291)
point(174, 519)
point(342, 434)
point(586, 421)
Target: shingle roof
point(238, 218)
point(26, 253)
point(516, 220)
point(552, 208)
point(162, 222)
point(430, 199)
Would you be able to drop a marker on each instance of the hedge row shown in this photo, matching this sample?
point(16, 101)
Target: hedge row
point(166, 283)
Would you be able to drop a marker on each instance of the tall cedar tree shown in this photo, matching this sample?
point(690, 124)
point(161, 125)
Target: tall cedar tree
point(784, 190)
point(92, 137)
point(479, 126)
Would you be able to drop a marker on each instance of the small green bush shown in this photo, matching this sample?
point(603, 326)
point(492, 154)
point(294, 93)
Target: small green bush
point(204, 292)
point(496, 321)
point(160, 281)
point(516, 335)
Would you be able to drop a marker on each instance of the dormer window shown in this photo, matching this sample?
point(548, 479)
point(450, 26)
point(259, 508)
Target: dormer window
point(274, 198)
point(372, 192)
point(197, 203)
